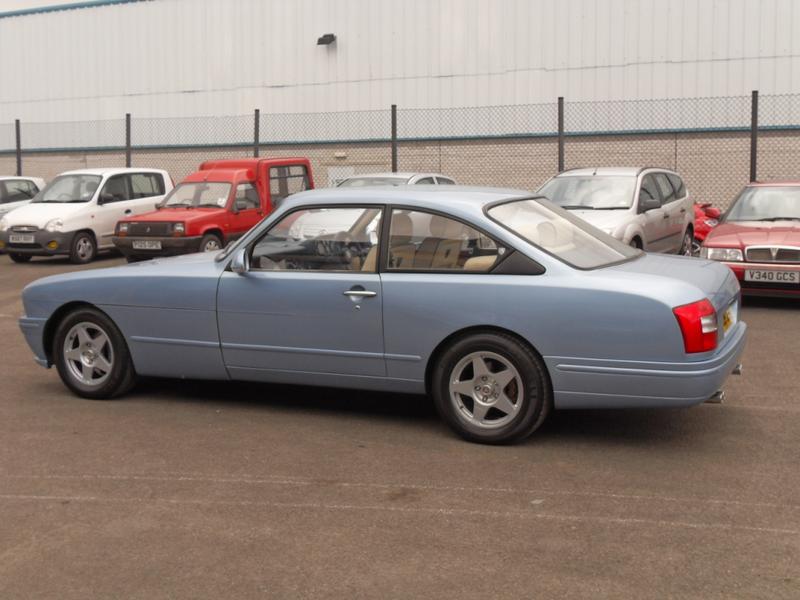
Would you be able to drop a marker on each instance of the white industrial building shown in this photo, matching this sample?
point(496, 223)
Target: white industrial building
point(78, 61)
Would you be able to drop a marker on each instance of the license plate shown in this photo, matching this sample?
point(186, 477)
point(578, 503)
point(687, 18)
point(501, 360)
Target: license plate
point(730, 316)
point(146, 245)
point(770, 276)
point(16, 238)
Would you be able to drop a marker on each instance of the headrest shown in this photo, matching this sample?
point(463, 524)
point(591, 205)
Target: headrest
point(402, 229)
point(552, 234)
point(444, 228)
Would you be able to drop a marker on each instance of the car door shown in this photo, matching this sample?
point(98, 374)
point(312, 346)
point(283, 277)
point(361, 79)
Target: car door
point(147, 192)
point(654, 219)
point(245, 212)
point(675, 212)
point(113, 204)
point(306, 310)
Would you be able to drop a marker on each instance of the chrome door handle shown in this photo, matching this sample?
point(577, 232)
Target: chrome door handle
point(360, 293)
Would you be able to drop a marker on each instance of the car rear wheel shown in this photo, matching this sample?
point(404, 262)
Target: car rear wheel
point(19, 258)
point(91, 355)
point(210, 243)
point(491, 388)
point(83, 249)
point(687, 243)
point(636, 243)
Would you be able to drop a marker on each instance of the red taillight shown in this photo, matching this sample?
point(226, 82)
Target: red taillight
point(698, 323)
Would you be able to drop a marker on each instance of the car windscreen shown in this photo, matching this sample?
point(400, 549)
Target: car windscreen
point(773, 203)
point(196, 194)
point(590, 192)
point(369, 181)
point(69, 188)
point(557, 232)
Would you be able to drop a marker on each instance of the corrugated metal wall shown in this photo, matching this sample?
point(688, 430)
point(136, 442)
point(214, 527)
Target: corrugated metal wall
point(212, 57)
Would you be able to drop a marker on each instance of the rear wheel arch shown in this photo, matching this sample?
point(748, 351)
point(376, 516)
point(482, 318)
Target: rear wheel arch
point(442, 346)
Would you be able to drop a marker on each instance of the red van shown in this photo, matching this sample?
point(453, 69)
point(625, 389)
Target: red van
point(213, 206)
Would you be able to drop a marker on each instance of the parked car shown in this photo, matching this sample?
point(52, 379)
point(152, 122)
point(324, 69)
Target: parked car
point(213, 206)
point(76, 212)
point(371, 179)
point(759, 239)
point(706, 217)
point(504, 308)
point(647, 208)
point(18, 191)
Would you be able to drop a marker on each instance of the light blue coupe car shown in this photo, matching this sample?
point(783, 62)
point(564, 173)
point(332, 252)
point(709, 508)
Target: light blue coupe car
point(500, 305)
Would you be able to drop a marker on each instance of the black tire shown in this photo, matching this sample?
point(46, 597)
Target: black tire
point(686, 243)
point(19, 258)
point(83, 249)
point(122, 375)
point(536, 397)
point(637, 243)
point(208, 239)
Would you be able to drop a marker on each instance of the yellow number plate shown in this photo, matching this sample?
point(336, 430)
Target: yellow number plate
point(729, 317)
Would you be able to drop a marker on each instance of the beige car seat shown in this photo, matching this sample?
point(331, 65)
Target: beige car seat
point(442, 249)
point(401, 250)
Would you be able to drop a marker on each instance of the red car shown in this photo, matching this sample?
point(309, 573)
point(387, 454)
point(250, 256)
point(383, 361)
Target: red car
point(706, 217)
point(759, 239)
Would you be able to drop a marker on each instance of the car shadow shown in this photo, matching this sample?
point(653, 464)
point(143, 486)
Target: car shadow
point(55, 261)
point(769, 302)
point(636, 427)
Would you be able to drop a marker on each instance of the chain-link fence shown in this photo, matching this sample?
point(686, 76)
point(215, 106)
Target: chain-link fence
point(716, 144)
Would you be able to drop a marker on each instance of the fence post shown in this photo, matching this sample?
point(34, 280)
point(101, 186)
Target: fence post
point(560, 134)
point(128, 140)
point(394, 138)
point(754, 135)
point(256, 131)
point(19, 146)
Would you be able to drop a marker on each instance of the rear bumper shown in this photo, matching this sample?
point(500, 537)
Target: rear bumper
point(45, 243)
point(581, 383)
point(752, 288)
point(170, 246)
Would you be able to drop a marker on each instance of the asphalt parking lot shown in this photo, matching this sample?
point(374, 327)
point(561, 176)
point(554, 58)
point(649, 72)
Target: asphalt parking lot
point(186, 489)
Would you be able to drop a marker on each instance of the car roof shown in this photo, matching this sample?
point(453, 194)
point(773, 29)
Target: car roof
point(110, 171)
point(610, 171)
point(26, 177)
point(218, 175)
point(777, 183)
point(432, 197)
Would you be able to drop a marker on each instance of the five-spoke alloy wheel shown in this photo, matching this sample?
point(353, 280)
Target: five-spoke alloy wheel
point(91, 355)
point(491, 388)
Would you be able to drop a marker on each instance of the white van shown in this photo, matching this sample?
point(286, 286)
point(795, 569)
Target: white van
point(76, 213)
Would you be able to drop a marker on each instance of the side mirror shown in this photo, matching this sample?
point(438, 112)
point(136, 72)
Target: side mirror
point(647, 203)
point(239, 264)
point(104, 197)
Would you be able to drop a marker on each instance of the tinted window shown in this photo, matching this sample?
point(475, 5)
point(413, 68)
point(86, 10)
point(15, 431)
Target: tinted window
point(247, 197)
point(665, 186)
point(145, 185)
point(649, 189)
point(426, 181)
point(116, 189)
point(590, 191)
point(285, 181)
point(445, 181)
point(421, 241)
point(561, 234)
point(677, 185)
point(348, 243)
point(16, 190)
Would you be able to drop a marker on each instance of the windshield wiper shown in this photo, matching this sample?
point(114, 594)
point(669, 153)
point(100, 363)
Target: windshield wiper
point(577, 206)
point(176, 205)
point(611, 207)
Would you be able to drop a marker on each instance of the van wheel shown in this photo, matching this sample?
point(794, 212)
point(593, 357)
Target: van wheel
point(210, 243)
point(91, 355)
point(492, 389)
point(19, 258)
point(83, 248)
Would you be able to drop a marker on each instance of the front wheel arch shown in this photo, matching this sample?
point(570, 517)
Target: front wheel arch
point(433, 359)
point(56, 318)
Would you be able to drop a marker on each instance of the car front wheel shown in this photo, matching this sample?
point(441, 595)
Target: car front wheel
point(91, 355)
point(491, 388)
point(83, 249)
point(210, 243)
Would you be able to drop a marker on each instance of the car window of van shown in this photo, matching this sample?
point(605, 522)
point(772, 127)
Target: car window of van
point(664, 184)
point(649, 189)
point(116, 189)
point(145, 185)
point(677, 184)
point(287, 180)
point(247, 197)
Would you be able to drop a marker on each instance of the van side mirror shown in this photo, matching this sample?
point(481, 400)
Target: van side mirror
point(648, 203)
point(104, 197)
point(239, 264)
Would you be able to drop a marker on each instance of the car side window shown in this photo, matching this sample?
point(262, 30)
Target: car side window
point(677, 185)
point(287, 180)
point(649, 190)
point(116, 189)
point(665, 186)
point(247, 197)
point(146, 185)
point(16, 190)
point(445, 181)
point(422, 241)
point(321, 239)
point(425, 181)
